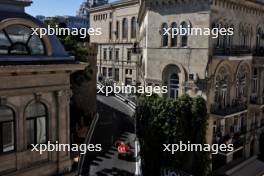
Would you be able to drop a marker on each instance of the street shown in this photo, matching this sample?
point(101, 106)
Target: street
point(115, 123)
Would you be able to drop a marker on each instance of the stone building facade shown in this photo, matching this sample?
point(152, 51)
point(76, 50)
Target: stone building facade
point(227, 71)
point(118, 22)
point(34, 95)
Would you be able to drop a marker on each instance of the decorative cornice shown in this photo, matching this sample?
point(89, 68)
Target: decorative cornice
point(111, 6)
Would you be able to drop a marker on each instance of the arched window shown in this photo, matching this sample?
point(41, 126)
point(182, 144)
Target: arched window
point(173, 37)
point(133, 27)
point(220, 37)
point(258, 39)
point(7, 130)
point(241, 89)
point(17, 40)
point(184, 36)
point(124, 28)
point(171, 78)
point(222, 87)
point(245, 37)
point(255, 81)
point(217, 41)
point(225, 38)
point(174, 85)
point(36, 115)
point(230, 38)
point(117, 29)
point(165, 37)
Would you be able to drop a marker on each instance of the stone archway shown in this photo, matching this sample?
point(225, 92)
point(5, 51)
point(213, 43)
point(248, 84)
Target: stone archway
point(173, 77)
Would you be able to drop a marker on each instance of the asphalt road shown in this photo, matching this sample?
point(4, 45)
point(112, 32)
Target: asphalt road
point(115, 123)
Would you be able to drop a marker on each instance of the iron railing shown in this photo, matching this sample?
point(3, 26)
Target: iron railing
point(217, 109)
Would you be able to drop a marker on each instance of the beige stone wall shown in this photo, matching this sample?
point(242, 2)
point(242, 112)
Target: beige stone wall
point(198, 57)
point(239, 14)
point(117, 12)
point(192, 59)
point(51, 89)
point(126, 10)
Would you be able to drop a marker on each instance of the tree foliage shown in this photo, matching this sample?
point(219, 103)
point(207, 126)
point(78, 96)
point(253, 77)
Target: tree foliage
point(166, 121)
point(75, 46)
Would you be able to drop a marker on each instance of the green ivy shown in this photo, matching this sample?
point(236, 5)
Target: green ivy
point(166, 121)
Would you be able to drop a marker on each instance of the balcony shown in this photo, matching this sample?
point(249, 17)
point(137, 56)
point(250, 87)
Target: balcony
point(236, 107)
point(234, 51)
point(259, 52)
point(255, 100)
point(254, 126)
point(236, 139)
point(243, 129)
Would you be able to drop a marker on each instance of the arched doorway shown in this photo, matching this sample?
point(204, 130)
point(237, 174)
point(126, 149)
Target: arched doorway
point(172, 79)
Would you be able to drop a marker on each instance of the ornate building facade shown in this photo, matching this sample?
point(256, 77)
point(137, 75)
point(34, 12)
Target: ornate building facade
point(34, 95)
point(118, 22)
point(227, 71)
point(87, 5)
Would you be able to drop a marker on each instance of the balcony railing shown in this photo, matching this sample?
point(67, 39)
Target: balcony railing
point(237, 140)
point(256, 100)
point(238, 51)
point(254, 126)
point(259, 52)
point(233, 51)
point(236, 107)
point(244, 129)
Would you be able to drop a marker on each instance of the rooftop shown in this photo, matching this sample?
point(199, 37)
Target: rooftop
point(114, 5)
point(17, 2)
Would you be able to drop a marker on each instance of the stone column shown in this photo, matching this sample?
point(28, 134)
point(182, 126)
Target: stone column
point(63, 129)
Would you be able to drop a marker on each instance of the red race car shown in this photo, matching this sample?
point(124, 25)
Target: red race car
point(124, 150)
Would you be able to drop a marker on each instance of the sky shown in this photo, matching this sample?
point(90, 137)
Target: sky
point(54, 7)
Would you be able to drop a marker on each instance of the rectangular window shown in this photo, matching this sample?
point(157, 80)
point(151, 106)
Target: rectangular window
point(117, 75)
point(117, 54)
point(30, 135)
point(117, 30)
point(128, 56)
point(110, 72)
point(104, 71)
point(126, 71)
point(36, 131)
point(128, 81)
point(110, 54)
point(8, 143)
point(131, 72)
point(105, 54)
point(255, 85)
point(41, 130)
point(110, 30)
